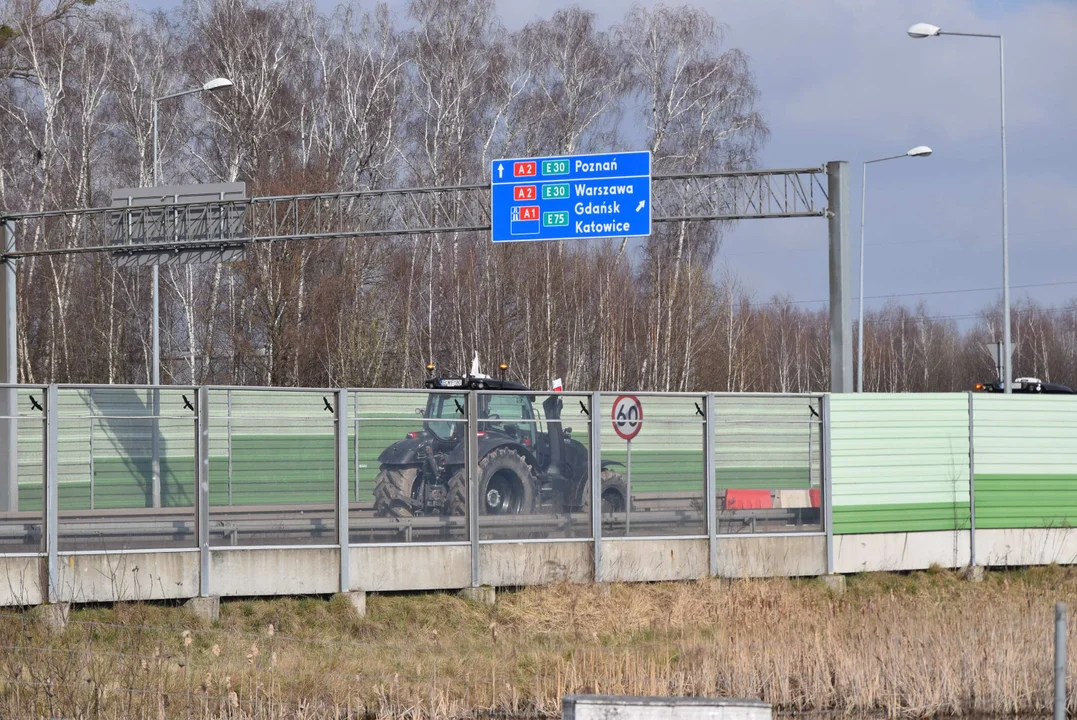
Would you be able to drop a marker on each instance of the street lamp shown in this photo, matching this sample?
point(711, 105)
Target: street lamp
point(918, 151)
point(923, 30)
point(214, 84)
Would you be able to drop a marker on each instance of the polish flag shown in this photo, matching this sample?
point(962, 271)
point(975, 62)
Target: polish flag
point(557, 387)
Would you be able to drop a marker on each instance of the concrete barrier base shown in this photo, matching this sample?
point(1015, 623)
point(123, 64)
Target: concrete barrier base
point(206, 608)
point(357, 600)
point(54, 616)
point(836, 583)
point(483, 594)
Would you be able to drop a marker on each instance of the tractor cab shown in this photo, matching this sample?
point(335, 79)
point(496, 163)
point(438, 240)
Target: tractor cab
point(510, 415)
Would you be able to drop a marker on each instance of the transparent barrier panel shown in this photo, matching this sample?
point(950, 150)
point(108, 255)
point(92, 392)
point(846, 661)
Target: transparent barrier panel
point(768, 464)
point(534, 466)
point(406, 462)
point(271, 467)
point(125, 470)
point(653, 453)
point(22, 422)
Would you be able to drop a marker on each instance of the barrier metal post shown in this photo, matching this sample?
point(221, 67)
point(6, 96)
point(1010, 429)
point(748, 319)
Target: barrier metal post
point(710, 483)
point(473, 482)
point(1060, 661)
point(972, 490)
point(202, 488)
point(9, 375)
point(355, 423)
point(155, 466)
point(228, 400)
point(595, 429)
point(93, 421)
point(828, 486)
point(340, 407)
point(51, 508)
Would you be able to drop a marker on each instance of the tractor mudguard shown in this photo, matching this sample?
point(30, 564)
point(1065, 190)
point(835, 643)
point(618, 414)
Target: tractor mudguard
point(402, 452)
point(610, 463)
point(487, 444)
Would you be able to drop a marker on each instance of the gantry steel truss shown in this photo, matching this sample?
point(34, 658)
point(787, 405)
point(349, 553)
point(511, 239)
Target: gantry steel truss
point(223, 226)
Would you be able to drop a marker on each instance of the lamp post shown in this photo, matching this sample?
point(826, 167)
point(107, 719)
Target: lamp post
point(214, 84)
point(924, 30)
point(918, 151)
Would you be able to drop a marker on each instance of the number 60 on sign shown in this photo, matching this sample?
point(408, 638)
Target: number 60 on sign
point(627, 416)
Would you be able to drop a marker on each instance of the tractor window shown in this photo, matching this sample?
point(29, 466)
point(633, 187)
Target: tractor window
point(448, 408)
point(510, 414)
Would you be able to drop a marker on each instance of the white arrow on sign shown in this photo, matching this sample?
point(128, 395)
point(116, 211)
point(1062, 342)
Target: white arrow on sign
point(500, 171)
point(627, 416)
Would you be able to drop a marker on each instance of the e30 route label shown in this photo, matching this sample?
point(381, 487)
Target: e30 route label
point(571, 197)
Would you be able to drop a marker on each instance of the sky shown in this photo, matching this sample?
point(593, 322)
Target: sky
point(841, 80)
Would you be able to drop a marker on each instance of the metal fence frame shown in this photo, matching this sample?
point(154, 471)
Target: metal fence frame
point(343, 483)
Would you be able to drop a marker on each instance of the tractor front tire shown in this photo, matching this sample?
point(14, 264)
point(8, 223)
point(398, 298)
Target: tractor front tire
point(614, 493)
point(509, 485)
point(393, 491)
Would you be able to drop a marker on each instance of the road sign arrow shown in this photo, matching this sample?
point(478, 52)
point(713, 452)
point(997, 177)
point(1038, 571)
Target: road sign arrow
point(642, 203)
point(500, 171)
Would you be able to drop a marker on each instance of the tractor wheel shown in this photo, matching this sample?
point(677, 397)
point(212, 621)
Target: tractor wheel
point(393, 490)
point(614, 492)
point(509, 486)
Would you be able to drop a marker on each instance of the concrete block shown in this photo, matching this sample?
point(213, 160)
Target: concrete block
point(483, 594)
point(54, 616)
point(206, 608)
point(610, 707)
point(357, 599)
point(975, 573)
point(836, 583)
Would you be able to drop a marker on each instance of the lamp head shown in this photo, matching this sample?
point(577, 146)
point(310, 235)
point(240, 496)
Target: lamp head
point(923, 30)
point(919, 151)
point(217, 84)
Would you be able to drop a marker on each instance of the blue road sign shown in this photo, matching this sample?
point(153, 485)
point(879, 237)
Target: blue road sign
point(571, 197)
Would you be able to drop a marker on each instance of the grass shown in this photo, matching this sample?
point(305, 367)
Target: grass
point(926, 643)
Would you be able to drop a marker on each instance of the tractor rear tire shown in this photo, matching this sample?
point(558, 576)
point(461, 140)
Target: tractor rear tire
point(393, 490)
point(509, 485)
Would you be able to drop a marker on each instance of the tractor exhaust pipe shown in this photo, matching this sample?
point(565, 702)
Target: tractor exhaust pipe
point(552, 407)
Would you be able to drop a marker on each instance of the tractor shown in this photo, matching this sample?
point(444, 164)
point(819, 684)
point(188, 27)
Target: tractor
point(526, 464)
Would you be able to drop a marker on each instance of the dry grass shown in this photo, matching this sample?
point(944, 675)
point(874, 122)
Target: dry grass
point(928, 643)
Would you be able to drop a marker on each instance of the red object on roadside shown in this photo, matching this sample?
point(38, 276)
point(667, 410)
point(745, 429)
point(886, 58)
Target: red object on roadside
point(748, 500)
point(816, 497)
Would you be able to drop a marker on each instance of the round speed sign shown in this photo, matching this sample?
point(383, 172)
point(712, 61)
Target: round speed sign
point(627, 416)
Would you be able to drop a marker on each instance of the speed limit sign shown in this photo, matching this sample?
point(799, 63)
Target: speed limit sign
point(627, 416)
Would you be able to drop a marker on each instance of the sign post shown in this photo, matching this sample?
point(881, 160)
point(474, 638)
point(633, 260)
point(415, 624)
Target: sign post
point(571, 197)
point(627, 422)
point(997, 355)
